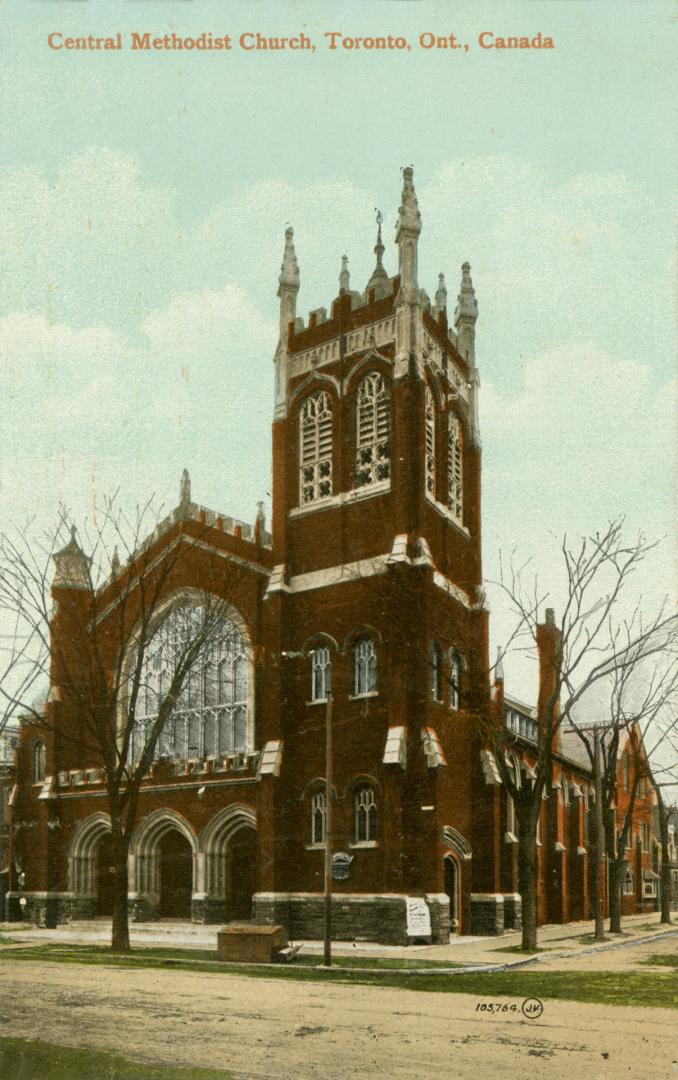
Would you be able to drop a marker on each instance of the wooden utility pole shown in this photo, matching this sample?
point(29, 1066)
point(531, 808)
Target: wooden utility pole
point(327, 949)
point(599, 933)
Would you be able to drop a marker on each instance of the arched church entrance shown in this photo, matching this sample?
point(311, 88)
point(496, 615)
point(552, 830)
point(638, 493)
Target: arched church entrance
point(229, 842)
point(452, 890)
point(104, 876)
point(176, 876)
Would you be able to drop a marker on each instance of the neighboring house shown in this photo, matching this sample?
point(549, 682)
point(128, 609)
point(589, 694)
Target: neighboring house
point(9, 739)
point(370, 584)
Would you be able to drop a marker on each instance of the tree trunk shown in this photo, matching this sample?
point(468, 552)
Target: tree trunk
point(616, 876)
point(527, 879)
point(665, 868)
point(120, 924)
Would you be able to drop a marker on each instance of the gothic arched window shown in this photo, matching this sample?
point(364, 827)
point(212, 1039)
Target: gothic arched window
point(318, 817)
point(321, 674)
point(210, 715)
point(315, 448)
point(364, 666)
point(430, 459)
point(364, 815)
point(455, 478)
point(436, 672)
point(373, 431)
point(38, 762)
point(455, 678)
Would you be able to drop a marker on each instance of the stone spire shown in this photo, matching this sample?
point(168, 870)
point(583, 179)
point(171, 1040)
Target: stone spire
point(379, 275)
point(407, 235)
point(465, 316)
point(115, 562)
point(441, 294)
point(288, 287)
point(71, 566)
point(185, 489)
point(288, 284)
point(344, 276)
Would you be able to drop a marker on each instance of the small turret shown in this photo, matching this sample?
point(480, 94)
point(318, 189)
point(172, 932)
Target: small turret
point(441, 294)
point(344, 276)
point(288, 287)
point(71, 566)
point(185, 490)
point(379, 282)
point(259, 524)
point(407, 235)
point(288, 284)
point(465, 316)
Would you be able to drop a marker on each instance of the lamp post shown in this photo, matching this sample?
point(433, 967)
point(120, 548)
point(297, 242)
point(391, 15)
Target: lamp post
point(596, 728)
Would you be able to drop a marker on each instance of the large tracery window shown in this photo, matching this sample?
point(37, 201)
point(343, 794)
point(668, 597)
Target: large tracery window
point(373, 428)
point(430, 460)
point(315, 448)
point(455, 480)
point(210, 716)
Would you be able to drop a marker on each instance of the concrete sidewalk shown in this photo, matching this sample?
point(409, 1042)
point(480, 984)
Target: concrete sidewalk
point(461, 950)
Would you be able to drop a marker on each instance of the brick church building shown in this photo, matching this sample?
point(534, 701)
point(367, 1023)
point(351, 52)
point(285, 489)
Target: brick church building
point(369, 585)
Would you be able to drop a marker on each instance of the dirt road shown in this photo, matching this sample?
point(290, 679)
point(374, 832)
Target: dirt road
point(273, 1028)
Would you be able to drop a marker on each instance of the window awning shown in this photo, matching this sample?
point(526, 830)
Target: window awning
point(650, 875)
point(489, 766)
point(433, 751)
point(395, 752)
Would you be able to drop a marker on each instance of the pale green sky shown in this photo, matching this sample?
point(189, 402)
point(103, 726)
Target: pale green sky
point(143, 198)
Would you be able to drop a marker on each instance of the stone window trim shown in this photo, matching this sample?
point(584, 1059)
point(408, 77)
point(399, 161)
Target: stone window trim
point(372, 430)
point(316, 435)
point(341, 499)
point(368, 845)
point(362, 697)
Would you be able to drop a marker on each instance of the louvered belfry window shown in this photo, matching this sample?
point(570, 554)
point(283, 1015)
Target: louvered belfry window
point(315, 450)
point(373, 416)
point(430, 444)
point(455, 479)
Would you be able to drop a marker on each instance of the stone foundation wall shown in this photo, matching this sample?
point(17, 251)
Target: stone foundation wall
point(487, 913)
point(513, 911)
point(354, 917)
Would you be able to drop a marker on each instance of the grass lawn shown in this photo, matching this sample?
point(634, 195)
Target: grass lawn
point(23, 1060)
point(662, 960)
point(603, 987)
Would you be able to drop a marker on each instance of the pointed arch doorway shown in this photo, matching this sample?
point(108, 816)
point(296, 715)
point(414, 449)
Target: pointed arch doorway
point(176, 875)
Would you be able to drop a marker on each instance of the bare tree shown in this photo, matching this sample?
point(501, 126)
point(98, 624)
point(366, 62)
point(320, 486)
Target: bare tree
point(641, 719)
point(87, 635)
point(586, 646)
point(665, 811)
